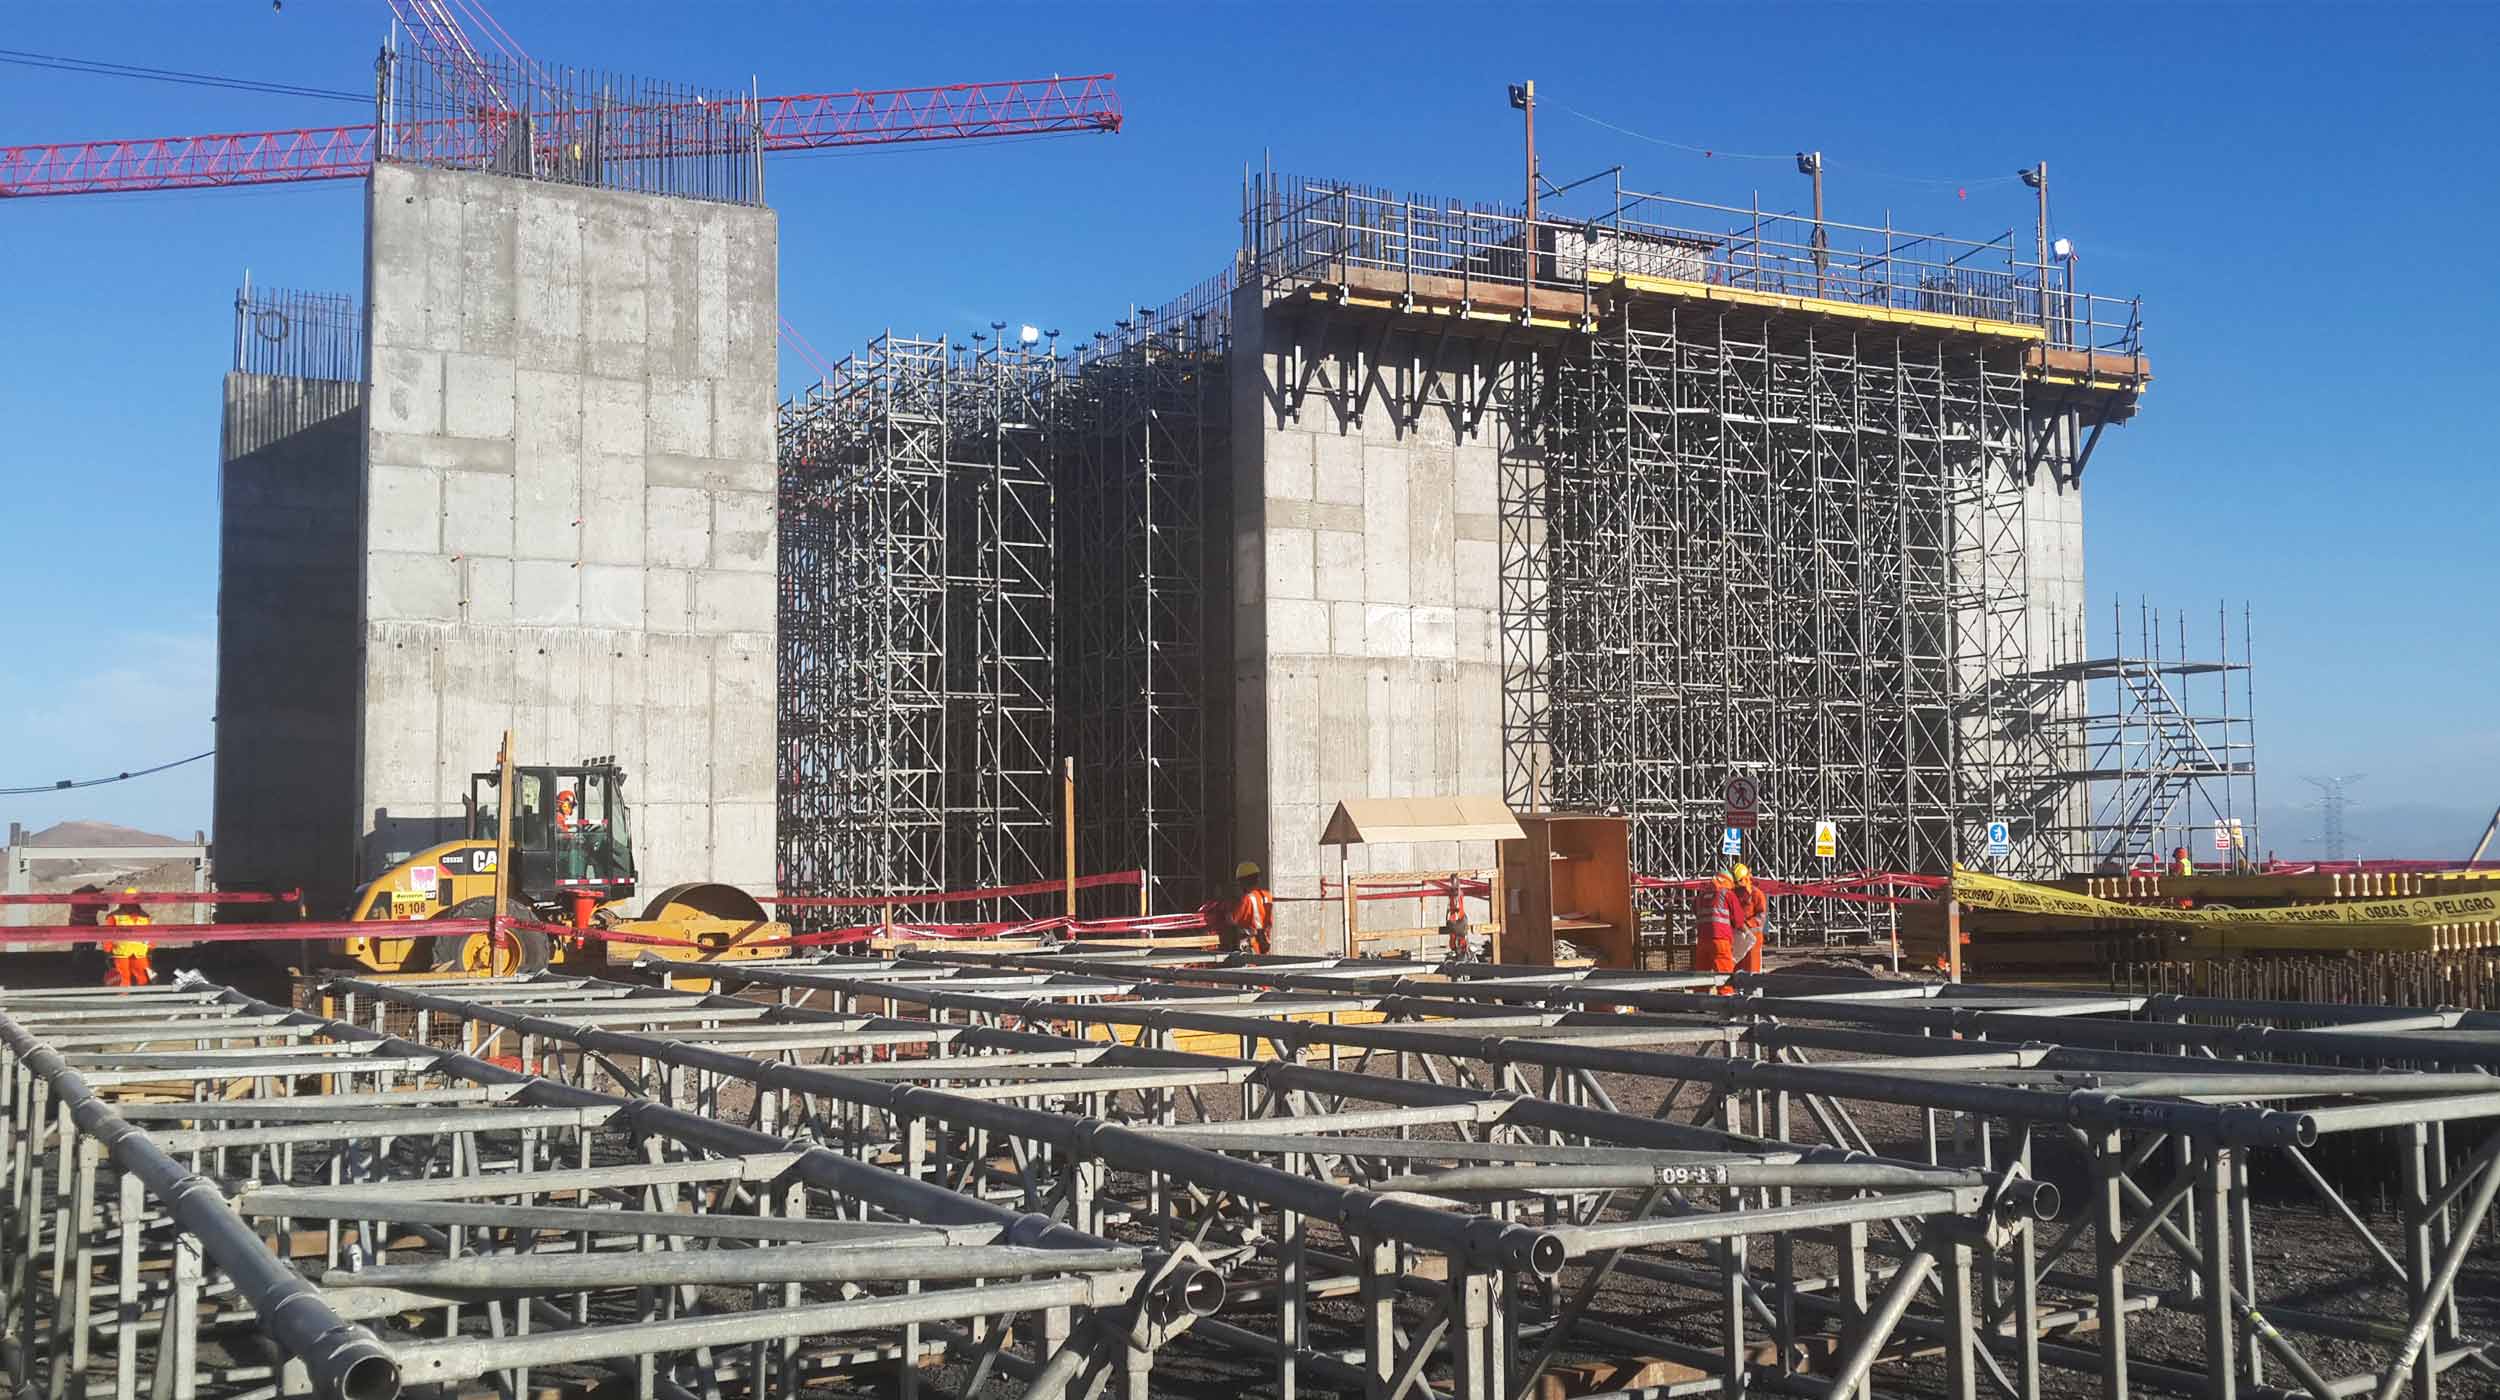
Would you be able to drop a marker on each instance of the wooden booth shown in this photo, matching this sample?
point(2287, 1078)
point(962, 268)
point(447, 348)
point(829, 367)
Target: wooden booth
point(1569, 877)
point(1375, 821)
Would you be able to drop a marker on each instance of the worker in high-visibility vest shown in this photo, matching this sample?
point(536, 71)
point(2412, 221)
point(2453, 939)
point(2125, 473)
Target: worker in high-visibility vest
point(1251, 923)
point(1714, 928)
point(2181, 863)
point(130, 955)
point(1746, 906)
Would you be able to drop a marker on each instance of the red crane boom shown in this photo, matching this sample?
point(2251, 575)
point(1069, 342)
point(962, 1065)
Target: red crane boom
point(809, 121)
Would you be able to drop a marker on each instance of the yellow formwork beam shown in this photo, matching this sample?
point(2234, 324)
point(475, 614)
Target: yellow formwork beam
point(1684, 290)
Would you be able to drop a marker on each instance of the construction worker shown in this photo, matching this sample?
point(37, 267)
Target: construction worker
point(2180, 863)
point(130, 956)
point(568, 814)
point(1747, 905)
point(1714, 927)
point(1251, 923)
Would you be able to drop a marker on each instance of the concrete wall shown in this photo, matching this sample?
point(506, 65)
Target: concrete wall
point(1364, 593)
point(2057, 621)
point(568, 507)
point(288, 637)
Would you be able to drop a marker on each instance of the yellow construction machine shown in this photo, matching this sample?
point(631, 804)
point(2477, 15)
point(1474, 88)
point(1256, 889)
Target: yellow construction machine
point(555, 845)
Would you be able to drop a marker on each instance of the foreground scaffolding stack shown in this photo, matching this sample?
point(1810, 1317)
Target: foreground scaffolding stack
point(1411, 1180)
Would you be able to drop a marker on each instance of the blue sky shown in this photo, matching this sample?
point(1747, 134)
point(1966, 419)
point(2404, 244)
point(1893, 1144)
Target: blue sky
point(2302, 195)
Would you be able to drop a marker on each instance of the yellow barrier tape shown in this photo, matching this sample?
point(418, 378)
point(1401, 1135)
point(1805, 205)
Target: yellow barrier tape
point(1996, 892)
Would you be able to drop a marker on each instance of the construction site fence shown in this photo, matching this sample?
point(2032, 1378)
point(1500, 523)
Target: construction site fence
point(2469, 981)
point(1299, 230)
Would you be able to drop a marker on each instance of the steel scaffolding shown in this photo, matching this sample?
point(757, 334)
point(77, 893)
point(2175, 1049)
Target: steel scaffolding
point(1142, 499)
point(1775, 517)
point(2164, 749)
point(917, 636)
point(1752, 568)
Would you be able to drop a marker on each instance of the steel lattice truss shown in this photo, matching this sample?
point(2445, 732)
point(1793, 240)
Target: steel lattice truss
point(917, 621)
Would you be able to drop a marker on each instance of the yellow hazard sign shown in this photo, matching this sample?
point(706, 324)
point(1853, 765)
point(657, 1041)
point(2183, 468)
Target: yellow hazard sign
point(1995, 892)
point(1826, 839)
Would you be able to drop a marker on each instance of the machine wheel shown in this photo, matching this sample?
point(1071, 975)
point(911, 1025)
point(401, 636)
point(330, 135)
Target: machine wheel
point(522, 950)
point(699, 900)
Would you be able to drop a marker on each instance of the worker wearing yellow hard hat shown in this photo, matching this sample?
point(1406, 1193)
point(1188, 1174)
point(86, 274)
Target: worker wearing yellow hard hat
point(1251, 923)
point(130, 955)
point(1746, 907)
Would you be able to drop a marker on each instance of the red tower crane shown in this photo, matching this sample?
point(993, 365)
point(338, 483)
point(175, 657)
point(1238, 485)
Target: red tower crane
point(477, 136)
point(800, 122)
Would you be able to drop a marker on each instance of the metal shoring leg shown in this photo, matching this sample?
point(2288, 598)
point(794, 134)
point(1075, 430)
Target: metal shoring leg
point(2437, 1280)
point(2215, 1170)
point(1292, 1267)
point(2109, 1227)
point(1378, 1259)
point(1598, 1271)
point(134, 1202)
point(1960, 1319)
point(2027, 1285)
point(1853, 1282)
point(1784, 1253)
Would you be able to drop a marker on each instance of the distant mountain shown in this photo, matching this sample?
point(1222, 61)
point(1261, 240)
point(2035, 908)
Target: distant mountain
point(77, 833)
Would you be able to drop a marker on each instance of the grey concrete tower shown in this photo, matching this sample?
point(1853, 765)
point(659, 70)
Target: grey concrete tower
point(553, 512)
point(568, 507)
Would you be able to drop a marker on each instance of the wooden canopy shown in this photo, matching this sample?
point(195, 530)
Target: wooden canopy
point(1361, 821)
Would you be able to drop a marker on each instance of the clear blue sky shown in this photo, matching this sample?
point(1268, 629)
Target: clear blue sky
point(2303, 195)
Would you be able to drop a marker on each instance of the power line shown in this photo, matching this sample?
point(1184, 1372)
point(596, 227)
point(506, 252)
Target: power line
point(101, 69)
point(1716, 153)
point(67, 783)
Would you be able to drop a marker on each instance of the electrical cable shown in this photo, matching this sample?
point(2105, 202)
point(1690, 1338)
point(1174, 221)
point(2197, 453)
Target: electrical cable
point(1714, 153)
point(99, 68)
point(68, 783)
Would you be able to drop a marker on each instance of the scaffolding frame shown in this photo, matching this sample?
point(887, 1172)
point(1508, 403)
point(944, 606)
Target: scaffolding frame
point(1784, 536)
point(1781, 547)
point(1145, 469)
point(2164, 747)
point(918, 621)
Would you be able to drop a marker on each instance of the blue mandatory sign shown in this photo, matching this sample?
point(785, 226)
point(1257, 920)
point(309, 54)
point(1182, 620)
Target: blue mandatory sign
point(1732, 841)
point(2000, 839)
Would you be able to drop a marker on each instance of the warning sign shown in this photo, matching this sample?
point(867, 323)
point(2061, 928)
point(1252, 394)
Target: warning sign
point(1826, 839)
point(424, 878)
point(1744, 801)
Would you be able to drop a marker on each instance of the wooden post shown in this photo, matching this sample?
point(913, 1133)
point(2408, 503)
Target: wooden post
point(1952, 938)
point(1067, 827)
point(1345, 885)
point(1498, 901)
point(503, 845)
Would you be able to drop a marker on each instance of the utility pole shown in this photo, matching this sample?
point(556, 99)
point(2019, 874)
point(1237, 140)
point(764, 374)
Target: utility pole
point(1523, 99)
point(2037, 177)
point(1810, 163)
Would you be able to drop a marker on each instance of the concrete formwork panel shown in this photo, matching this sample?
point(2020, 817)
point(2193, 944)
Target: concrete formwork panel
point(1364, 579)
point(569, 525)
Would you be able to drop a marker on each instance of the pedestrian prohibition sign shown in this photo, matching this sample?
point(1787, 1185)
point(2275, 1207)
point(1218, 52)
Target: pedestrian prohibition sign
point(1744, 801)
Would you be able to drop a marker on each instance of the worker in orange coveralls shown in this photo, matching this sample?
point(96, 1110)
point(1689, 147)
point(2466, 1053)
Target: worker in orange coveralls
point(130, 956)
point(1251, 923)
point(1746, 906)
point(1714, 928)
